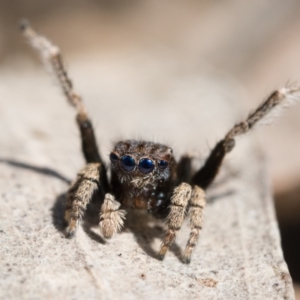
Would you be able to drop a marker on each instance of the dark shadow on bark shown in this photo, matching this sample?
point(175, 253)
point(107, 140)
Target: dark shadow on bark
point(287, 203)
point(291, 248)
point(42, 170)
point(213, 198)
point(144, 227)
point(58, 213)
point(138, 222)
point(90, 219)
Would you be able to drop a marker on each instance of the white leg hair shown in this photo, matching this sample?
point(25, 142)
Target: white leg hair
point(80, 194)
point(184, 198)
point(197, 204)
point(111, 217)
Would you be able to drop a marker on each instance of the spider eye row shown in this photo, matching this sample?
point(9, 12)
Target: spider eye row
point(145, 165)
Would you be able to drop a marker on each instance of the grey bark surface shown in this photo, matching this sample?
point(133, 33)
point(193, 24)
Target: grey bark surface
point(238, 255)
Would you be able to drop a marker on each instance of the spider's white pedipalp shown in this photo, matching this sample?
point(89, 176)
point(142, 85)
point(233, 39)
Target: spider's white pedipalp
point(111, 217)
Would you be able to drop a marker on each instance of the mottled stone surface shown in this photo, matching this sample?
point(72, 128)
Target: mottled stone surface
point(238, 255)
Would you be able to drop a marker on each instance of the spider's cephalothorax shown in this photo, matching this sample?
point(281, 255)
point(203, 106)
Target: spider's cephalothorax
point(144, 175)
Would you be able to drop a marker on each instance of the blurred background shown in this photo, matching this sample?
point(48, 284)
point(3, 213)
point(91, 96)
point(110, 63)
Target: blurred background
point(255, 43)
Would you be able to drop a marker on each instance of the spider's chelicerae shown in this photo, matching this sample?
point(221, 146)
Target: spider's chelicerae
point(144, 175)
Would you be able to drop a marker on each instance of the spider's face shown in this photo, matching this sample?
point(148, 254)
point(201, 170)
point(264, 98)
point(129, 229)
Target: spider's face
point(142, 163)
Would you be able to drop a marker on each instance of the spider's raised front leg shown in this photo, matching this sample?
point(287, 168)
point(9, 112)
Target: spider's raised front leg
point(277, 100)
point(180, 201)
point(184, 198)
point(93, 176)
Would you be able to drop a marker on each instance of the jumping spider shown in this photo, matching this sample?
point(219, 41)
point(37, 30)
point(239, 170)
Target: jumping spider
point(144, 175)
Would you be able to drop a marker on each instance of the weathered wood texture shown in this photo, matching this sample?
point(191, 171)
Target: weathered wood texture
point(239, 254)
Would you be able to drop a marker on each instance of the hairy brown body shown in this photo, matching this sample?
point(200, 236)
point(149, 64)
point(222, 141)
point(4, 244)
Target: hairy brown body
point(144, 191)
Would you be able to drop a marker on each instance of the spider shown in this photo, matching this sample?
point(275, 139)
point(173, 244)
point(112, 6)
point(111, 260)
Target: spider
point(144, 175)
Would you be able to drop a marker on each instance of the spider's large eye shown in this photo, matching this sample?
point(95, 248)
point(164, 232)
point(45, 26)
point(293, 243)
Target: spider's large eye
point(162, 164)
point(113, 157)
point(146, 165)
point(127, 163)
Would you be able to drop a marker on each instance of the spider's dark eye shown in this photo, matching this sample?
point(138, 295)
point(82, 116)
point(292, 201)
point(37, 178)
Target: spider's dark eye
point(162, 164)
point(146, 165)
point(113, 157)
point(127, 163)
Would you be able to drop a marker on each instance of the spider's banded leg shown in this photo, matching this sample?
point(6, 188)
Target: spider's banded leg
point(276, 100)
point(80, 194)
point(196, 206)
point(51, 55)
point(175, 218)
point(111, 217)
